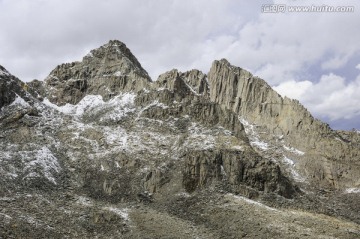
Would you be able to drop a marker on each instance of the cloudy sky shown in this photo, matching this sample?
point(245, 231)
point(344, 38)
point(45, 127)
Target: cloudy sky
point(310, 56)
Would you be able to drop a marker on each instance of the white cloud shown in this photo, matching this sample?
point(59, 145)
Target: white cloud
point(335, 62)
point(293, 89)
point(358, 67)
point(331, 97)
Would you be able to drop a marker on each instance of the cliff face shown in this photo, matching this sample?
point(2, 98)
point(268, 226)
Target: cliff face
point(99, 150)
point(282, 118)
point(253, 99)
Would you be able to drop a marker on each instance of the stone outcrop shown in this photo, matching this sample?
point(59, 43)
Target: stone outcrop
point(237, 169)
point(10, 88)
point(105, 71)
point(254, 100)
point(187, 83)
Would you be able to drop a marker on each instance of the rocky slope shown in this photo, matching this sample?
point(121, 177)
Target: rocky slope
point(99, 150)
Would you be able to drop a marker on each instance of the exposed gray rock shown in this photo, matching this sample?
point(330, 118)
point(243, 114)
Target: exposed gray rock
point(253, 99)
point(236, 168)
point(105, 71)
point(10, 88)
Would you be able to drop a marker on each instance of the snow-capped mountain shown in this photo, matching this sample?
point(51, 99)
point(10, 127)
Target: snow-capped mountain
point(98, 149)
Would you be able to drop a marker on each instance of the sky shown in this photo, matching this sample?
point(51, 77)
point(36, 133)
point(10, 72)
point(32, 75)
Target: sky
point(313, 57)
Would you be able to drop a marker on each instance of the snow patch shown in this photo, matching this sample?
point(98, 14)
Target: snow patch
point(294, 173)
point(183, 194)
point(4, 73)
point(352, 190)
point(118, 73)
point(288, 161)
point(222, 170)
point(121, 106)
point(155, 103)
point(20, 101)
point(84, 201)
point(123, 213)
point(237, 147)
point(87, 102)
point(249, 201)
point(253, 136)
point(47, 162)
point(259, 144)
point(200, 138)
point(89, 55)
point(190, 88)
point(293, 150)
point(116, 136)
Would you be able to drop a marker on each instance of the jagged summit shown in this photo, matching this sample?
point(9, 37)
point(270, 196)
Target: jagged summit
point(115, 53)
point(105, 71)
point(283, 119)
point(3, 71)
point(11, 88)
point(253, 99)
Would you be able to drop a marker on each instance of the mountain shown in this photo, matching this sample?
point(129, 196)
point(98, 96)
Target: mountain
point(98, 149)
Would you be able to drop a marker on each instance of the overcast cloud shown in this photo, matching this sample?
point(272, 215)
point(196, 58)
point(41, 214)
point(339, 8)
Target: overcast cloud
point(312, 57)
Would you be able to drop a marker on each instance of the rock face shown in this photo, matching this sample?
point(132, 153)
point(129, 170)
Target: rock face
point(105, 71)
point(237, 168)
point(253, 99)
point(98, 150)
point(187, 84)
point(10, 88)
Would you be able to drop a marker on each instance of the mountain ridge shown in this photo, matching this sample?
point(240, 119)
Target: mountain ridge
point(105, 151)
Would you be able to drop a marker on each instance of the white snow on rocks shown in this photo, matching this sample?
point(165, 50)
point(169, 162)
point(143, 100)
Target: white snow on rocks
point(352, 190)
point(121, 104)
point(249, 201)
point(118, 74)
point(84, 201)
point(4, 73)
point(46, 162)
point(293, 150)
point(20, 102)
point(259, 144)
point(296, 176)
point(288, 161)
point(199, 138)
point(253, 136)
point(123, 213)
point(87, 102)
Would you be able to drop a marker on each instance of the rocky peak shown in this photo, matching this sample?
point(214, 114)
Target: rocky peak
point(192, 82)
point(10, 88)
point(287, 121)
point(254, 100)
point(106, 71)
point(197, 80)
point(117, 58)
point(3, 71)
